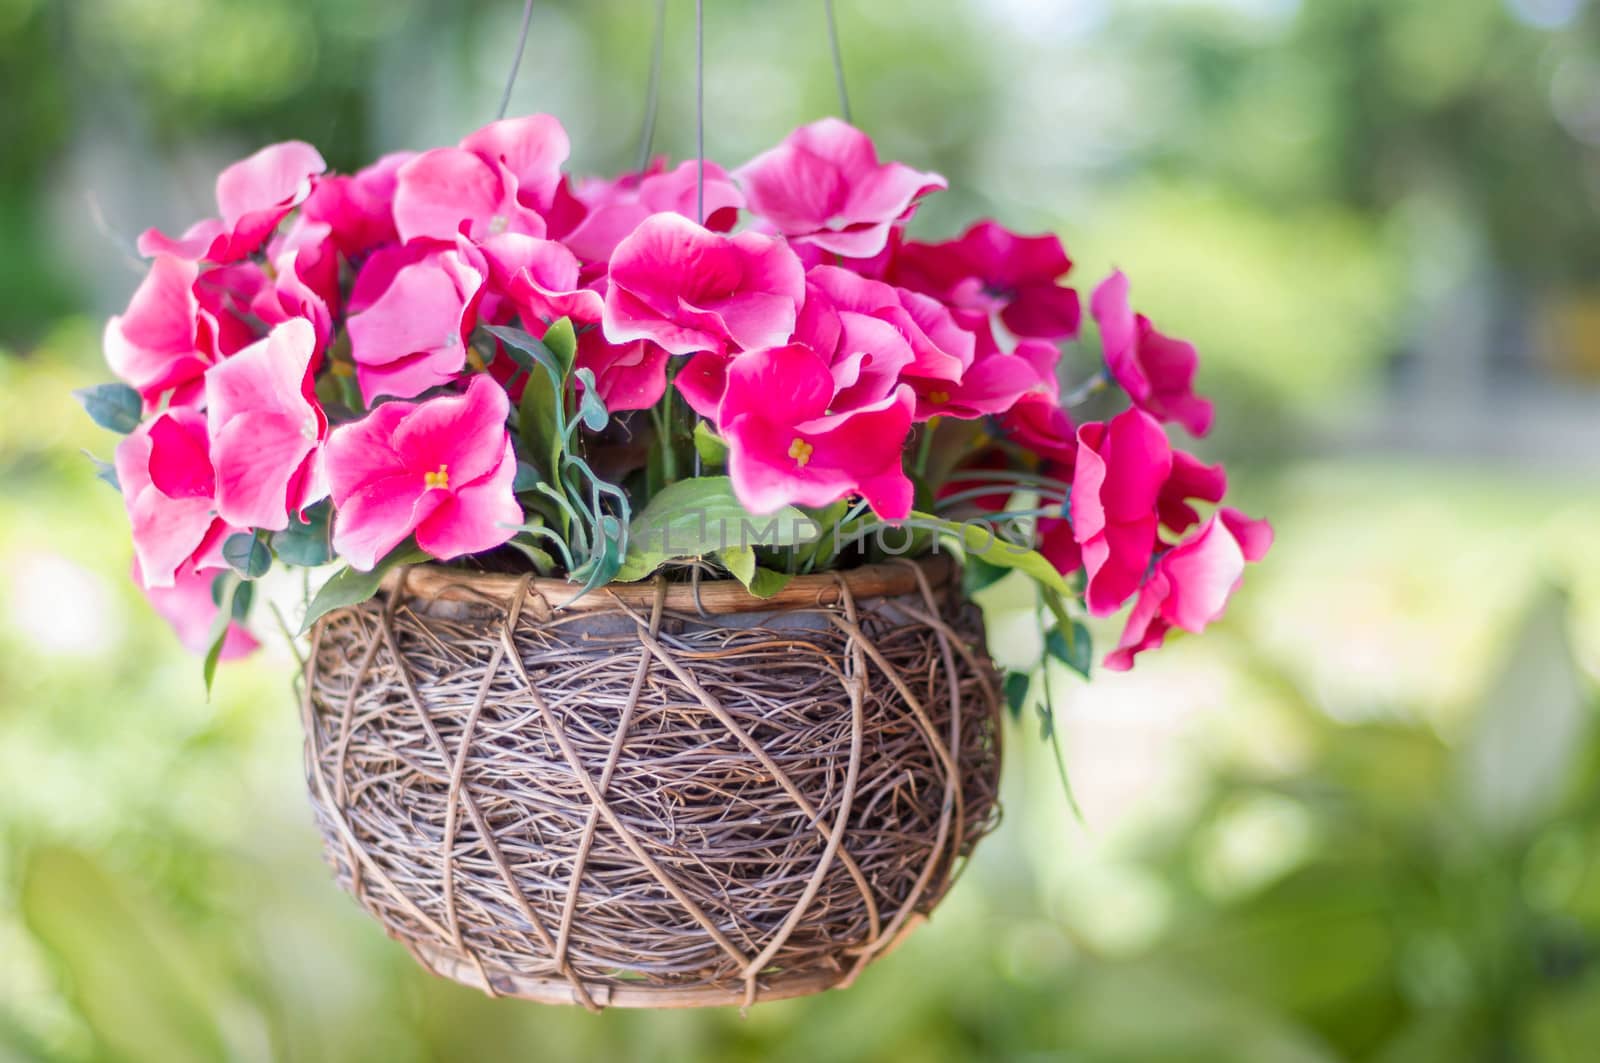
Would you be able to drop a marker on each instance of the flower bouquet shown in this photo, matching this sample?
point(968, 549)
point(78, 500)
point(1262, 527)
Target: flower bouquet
point(643, 671)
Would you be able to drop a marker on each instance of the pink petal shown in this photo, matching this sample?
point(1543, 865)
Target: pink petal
point(1146, 628)
point(379, 516)
point(531, 148)
point(180, 463)
point(186, 604)
point(363, 451)
point(702, 382)
point(1253, 536)
point(476, 517)
point(462, 433)
point(1045, 312)
point(1203, 572)
point(1139, 460)
point(259, 454)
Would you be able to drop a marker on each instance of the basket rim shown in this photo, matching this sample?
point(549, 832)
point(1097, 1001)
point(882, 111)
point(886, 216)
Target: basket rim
point(886, 579)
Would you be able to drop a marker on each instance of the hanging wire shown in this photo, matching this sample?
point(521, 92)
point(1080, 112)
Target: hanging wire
point(838, 61)
point(516, 61)
point(700, 111)
point(652, 99)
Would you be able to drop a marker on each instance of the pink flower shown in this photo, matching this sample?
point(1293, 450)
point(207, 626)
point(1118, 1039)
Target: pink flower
point(615, 208)
point(1157, 372)
point(941, 349)
point(254, 195)
point(265, 429)
point(629, 376)
point(187, 605)
point(825, 186)
point(785, 444)
point(440, 469)
point(501, 179)
point(1120, 469)
point(993, 270)
point(540, 279)
point(168, 487)
point(412, 310)
point(995, 381)
point(689, 289)
point(304, 282)
point(1190, 479)
point(174, 329)
point(358, 208)
point(1192, 583)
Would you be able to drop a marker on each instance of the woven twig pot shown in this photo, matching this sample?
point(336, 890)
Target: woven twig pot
point(662, 795)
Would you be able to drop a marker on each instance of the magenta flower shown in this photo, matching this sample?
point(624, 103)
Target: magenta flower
point(358, 208)
point(265, 429)
point(994, 383)
point(628, 376)
point(1157, 372)
point(787, 445)
point(540, 278)
point(1190, 479)
point(187, 605)
point(1192, 583)
point(615, 208)
point(825, 186)
point(412, 310)
point(993, 270)
point(175, 328)
point(941, 348)
point(688, 289)
point(168, 486)
point(440, 469)
point(254, 195)
point(501, 179)
point(1117, 480)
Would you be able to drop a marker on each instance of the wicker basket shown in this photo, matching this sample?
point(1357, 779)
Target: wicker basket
point(663, 795)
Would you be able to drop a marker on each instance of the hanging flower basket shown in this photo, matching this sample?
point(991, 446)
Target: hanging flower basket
point(657, 797)
point(646, 675)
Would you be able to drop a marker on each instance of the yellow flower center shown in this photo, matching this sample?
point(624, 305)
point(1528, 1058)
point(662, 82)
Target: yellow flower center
point(800, 451)
point(938, 398)
point(475, 360)
point(441, 478)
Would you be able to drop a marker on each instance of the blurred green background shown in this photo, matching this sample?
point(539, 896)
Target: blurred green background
point(1358, 821)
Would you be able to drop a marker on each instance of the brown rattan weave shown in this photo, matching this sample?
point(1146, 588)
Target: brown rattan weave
point(662, 795)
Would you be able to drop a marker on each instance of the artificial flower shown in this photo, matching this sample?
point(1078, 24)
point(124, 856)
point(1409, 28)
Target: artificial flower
point(824, 186)
point(1119, 470)
point(441, 470)
point(174, 329)
point(1156, 371)
point(265, 430)
point(412, 311)
point(615, 208)
point(787, 445)
point(689, 289)
point(995, 271)
point(253, 195)
point(1191, 583)
point(500, 179)
point(187, 605)
point(168, 486)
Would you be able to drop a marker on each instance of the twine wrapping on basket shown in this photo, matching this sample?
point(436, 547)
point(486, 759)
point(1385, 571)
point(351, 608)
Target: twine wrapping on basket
point(661, 796)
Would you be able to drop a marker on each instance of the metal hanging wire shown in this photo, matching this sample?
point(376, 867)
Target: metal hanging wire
point(652, 98)
point(838, 60)
point(516, 60)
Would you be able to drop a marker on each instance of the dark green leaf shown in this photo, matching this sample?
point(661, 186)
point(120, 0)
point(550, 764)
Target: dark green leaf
point(1017, 687)
point(247, 554)
point(740, 561)
point(1070, 644)
point(350, 586)
point(977, 574)
point(307, 544)
point(527, 478)
point(115, 407)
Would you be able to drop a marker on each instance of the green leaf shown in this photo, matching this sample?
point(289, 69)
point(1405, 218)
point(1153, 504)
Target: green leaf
point(351, 586)
point(694, 518)
point(561, 340)
point(591, 409)
point(225, 592)
point(982, 543)
point(713, 450)
point(1070, 644)
point(247, 554)
point(977, 574)
point(740, 561)
point(115, 407)
point(527, 479)
point(307, 544)
point(541, 415)
point(1017, 686)
point(105, 472)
